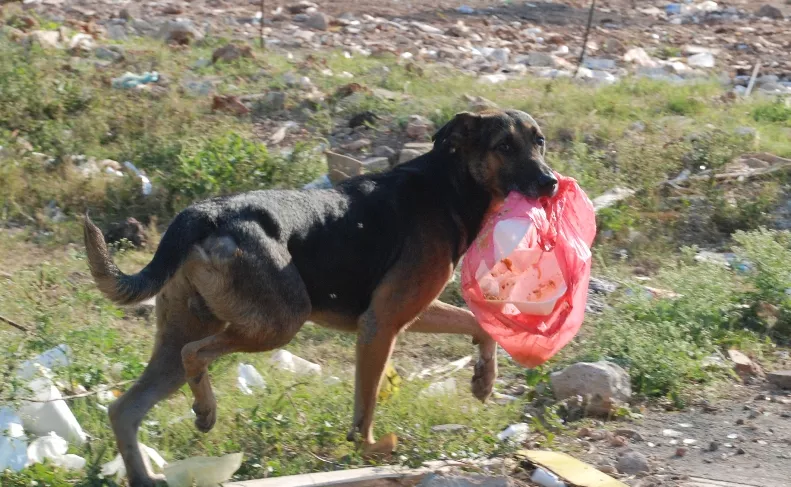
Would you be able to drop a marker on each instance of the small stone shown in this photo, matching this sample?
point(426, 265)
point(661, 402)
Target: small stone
point(608, 469)
point(633, 463)
point(630, 434)
point(419, 127)
point(458, 30)
point(130, 230)
point(109, 53)
point(781, 379)
point(618, 441)
point(681, 451)
point(603, 385)
point(342, 167)
point(770, 11)
point(229, 104)
point(232, 52)
point(181, 32)
point(301, 7)
point(584, 432)
point(714, 446)
point(428, 29)
point(317, 21)
point(540, 59)
point(357, 145)
point(363, 119)
point(613, 46)
point(448, 428)
point(598, 63)
point(384, 151)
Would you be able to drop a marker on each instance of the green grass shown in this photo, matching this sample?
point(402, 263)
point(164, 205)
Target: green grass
point(636, 134)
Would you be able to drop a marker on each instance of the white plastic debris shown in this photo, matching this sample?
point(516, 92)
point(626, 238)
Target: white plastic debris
point(53, 448)
point(13, 444)
point(285, 360)
point(442, 388)
point(545, 478)
point(55, 357)
point(671, 433)
point(701, 60)
point(444, 370)
point(248, 379)
point(516, 433)
point(146, 183)
point(116, 466)
point(49, 413)
point(202, 471)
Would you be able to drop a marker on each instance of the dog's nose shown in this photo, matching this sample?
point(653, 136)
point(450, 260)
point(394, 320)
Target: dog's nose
point(547, 184)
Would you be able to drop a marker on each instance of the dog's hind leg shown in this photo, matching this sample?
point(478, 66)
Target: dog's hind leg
point(445, 318)
point(254, 287)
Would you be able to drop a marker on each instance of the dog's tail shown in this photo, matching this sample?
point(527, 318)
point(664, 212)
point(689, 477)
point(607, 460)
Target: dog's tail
point(183, 233)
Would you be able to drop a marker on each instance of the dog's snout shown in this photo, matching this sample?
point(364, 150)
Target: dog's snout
point(547, 184)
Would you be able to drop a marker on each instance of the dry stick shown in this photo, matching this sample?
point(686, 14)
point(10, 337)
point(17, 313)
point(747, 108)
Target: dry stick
point(751, 84)
point(585, 40)
point(261, 24)
point(14, 324)
point(82, 394)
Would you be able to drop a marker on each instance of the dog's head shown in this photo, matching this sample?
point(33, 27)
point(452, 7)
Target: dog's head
point(503, 150)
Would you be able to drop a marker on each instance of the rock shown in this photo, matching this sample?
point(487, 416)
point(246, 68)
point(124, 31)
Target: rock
point(479, 103)
point(603, 384)
point(181, 32)
point(357, 145)
point(769, 11)
point(363, 118)
point(131, 230)
point(109, 53)
point(602, 286)
point(274, 101)
point(81, 44)
point(611, 197)
point(467, 480)
point(743, 365)
point(701, 60)
point(448, 427)
point(342, 167)
point(384, 151)
point(681, 451)
point(781, 378)
point(317, 21)
point(428, 29)
point(376, 164)
point(497, 55)
point(229, 104)
point(629, 433)
point(301, 7)
point(598, 63)
point(633, 463)
point(638, 56)
point(413, 150)
point(232, 52)
point(613, 46)
point(419, 127)
point(47, 39)
point(493, 79)
point(540, 59)
point(458, 30)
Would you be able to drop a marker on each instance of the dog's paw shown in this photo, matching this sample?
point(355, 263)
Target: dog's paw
point(206, 416)
point(483, 378)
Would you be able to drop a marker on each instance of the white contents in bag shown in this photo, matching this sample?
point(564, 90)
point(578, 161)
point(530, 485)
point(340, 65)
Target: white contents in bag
point(523, 278)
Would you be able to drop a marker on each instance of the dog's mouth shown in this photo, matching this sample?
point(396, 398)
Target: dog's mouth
point(534, 190)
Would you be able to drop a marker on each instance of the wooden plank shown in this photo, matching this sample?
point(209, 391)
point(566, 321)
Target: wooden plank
point(360, 477)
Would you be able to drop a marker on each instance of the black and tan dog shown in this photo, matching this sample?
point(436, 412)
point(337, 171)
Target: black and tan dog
point(243, 273)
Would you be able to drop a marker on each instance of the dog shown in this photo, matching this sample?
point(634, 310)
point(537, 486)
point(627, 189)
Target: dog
point(242, 273)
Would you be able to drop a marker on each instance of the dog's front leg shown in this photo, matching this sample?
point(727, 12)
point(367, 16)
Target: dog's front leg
point(375, 342)
point(445, 318)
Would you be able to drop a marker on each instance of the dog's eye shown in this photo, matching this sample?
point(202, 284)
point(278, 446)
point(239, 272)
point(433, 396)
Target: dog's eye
point(504, 147)
point(540, 141)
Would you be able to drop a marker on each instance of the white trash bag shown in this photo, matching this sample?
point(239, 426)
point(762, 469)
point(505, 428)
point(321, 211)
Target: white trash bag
point(50, 413)
point(13, 443)
point(53, 448)
point(285, 360)
point(248, 379)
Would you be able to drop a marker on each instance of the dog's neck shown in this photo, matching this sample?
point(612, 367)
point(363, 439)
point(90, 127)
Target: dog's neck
point(467, 201)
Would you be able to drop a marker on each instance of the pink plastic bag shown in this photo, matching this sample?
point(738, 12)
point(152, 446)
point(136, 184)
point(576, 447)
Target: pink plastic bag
point(526, 275)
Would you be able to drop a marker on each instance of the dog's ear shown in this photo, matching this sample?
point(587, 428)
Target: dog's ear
point(454, 132)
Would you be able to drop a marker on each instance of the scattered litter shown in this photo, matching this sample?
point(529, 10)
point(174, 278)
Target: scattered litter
point(285, 360)
point(546, 479)
point(443, 370)
point(569, 469)
point(53, 448)
point(465, 9)
point(146, 183)
point(55, 357)
point(131, 80)
point(671, 433)
point(280, 134)
point(516, 433)
point(50, 413)
point(202, 471)
point(445, 387)
point(13, 444)
point(701, 60)
point(689, 441)
point(248, 379)
point(116, 466)
point(391, 384)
